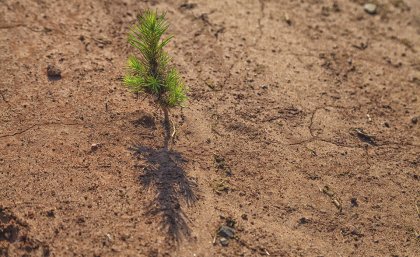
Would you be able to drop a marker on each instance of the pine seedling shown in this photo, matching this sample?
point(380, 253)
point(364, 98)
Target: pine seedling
point(151, 72)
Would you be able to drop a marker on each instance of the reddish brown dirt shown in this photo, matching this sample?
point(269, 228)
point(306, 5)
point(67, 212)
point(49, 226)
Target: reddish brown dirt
point(278, 90)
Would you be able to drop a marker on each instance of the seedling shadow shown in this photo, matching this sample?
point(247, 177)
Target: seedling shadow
point(165, 175)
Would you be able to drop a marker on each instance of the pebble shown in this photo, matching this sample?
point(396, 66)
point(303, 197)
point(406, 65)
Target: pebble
point(94, 147)
point(224, 241)
point(227, 232)
point(287, 19)
point(370, 8)
point(53, 73)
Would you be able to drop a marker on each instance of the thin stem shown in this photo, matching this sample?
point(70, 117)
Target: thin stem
point(173, 131)
point(154, 68)
point(167, 126)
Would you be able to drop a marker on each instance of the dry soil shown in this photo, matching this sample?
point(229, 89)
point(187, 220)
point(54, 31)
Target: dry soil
point(301, 131)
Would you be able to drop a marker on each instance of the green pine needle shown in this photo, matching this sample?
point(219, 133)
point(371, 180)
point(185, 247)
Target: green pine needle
point(176, 88)
point(151, 72)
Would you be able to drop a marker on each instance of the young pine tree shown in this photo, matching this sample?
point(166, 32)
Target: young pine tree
point(151, 71)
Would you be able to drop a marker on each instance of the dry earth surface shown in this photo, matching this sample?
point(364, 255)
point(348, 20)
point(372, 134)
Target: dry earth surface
point(301, 132)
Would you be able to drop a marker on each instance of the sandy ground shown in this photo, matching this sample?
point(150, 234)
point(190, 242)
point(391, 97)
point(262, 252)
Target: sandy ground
point(301, 132)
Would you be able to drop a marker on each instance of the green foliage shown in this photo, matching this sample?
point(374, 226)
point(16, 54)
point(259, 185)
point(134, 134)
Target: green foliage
point(151, 72)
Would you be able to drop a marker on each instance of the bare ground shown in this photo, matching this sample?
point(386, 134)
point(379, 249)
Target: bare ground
point(302, 131)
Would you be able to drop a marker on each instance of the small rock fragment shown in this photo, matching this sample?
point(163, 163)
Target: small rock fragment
point(365, 137)
point(226, 231)
point(337, 204)
point(53, 73)
point(414, 120)
point(369, 118)
point(287, 19)
point(94, 147)
point(224, 241)
point(370, 8)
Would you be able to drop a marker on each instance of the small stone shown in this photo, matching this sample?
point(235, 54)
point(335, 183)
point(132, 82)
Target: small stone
point(226, 231)
point(94, 147)
point(53, 73)
point(370, 8)
point(386, 124)
point(414, 120)
point(287, 19)
point(224, 241)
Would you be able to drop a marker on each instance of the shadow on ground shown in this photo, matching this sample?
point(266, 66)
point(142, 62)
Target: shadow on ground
point(165, 176)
